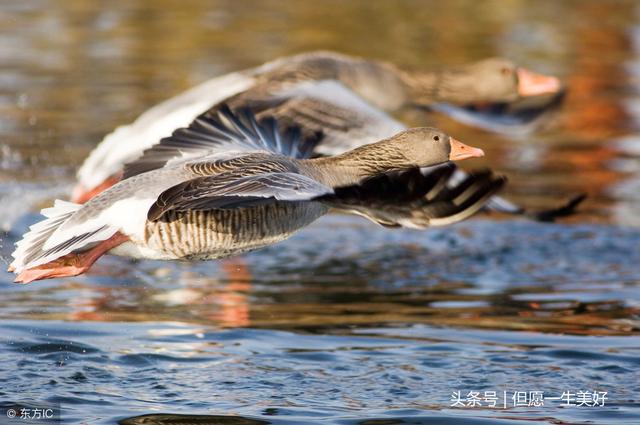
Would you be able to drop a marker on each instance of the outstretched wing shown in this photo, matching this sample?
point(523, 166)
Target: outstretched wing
point(233, 190)
point(310, 118)
point(126, 143)
point(415, 199)
point(223, 130)
point(345, 120)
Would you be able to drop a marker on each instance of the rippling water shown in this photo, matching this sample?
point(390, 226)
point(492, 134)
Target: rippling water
point(346, 322)
point(341, 376)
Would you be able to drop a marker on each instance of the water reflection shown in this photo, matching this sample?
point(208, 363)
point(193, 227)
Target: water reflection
point(396, 373)
point(346, 317)
point(579, 279)
point(627, 148)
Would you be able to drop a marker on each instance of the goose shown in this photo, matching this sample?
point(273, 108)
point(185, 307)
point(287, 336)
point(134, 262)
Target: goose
point(311, 87)
point(235, 183)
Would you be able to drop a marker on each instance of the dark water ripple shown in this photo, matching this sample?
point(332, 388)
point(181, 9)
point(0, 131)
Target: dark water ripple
point(422, 315)
point(306, 378)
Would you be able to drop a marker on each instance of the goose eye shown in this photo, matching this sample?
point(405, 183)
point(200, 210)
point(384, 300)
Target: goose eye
point(506, 71)
point(436, 138)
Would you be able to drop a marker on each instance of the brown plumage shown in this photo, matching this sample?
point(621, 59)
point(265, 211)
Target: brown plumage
point(346, 98)
point(255, 192)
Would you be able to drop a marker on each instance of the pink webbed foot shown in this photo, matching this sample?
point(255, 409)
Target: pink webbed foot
point(70, 264)
point(51, 270)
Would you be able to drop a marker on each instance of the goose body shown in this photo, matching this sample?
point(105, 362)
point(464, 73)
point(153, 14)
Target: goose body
point(347, 98)
point(228, 184)
point(195, 234)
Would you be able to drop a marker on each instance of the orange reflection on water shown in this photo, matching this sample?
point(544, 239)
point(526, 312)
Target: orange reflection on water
point(223, 302)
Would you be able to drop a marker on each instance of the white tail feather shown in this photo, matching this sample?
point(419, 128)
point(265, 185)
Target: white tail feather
point(59, 208)
point(31, 252)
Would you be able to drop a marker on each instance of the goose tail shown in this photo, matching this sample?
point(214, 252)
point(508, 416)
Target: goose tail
point(47, 240)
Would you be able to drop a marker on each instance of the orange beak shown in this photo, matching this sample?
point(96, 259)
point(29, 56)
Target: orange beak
point(80, 194)
point(533, 84)
point(461, 151)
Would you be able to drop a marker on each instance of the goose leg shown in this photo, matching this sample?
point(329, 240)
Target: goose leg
point(81, 195)
point(71, 264)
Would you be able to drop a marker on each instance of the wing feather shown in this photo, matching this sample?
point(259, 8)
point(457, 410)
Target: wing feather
point(416, 199)
point(233, 190)
point(222, 130)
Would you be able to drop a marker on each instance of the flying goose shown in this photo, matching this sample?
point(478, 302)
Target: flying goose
point(234, 184)
point(347, 97)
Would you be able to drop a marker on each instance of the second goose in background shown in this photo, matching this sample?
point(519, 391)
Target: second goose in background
point(347, 97)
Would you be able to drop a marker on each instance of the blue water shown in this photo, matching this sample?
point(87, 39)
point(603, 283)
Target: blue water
point(419, 317)
point(99, 372)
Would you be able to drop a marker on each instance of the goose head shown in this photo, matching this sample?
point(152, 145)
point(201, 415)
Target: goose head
point(427, 146)
point(501, 80)
point(418, 147)
point(415, 147)
point(490, 81)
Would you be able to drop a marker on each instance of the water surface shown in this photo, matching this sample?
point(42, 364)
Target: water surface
point(346, 323)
